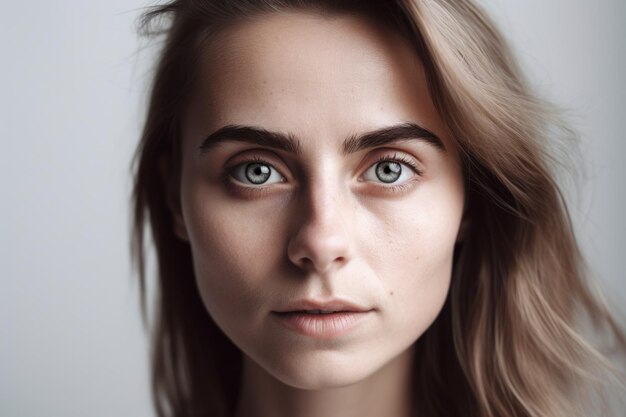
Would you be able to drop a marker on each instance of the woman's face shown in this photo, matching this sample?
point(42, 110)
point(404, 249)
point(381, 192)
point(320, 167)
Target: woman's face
point(329, 212)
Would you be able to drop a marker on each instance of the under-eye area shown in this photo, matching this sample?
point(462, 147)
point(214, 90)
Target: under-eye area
point(394, 172)
point(326, 247)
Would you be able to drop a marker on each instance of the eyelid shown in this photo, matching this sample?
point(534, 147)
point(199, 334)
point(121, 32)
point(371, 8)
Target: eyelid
point(251, 160)
point(400, 158)
point(393, 156)
point(396, 187)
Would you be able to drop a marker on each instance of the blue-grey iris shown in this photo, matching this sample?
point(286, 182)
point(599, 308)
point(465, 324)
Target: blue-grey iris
point(257, 173)
point(388, 171)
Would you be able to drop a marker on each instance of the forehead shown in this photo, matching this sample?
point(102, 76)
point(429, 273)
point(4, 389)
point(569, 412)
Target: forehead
point(277, 43)
point(311, 75)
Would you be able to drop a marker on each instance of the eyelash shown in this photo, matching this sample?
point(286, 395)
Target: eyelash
point(406, 161)
point(383, 158)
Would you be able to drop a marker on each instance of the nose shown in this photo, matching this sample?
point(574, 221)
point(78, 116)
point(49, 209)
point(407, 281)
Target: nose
point(321, 241)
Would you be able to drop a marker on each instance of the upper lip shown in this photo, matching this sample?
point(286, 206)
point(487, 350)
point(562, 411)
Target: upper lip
point(334, 304)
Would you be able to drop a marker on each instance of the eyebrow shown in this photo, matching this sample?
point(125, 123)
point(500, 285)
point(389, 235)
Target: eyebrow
point(290, 143)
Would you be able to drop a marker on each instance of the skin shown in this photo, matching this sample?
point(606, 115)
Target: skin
point(330, 227)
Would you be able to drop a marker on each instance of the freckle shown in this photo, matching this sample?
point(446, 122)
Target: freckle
point(390, 292)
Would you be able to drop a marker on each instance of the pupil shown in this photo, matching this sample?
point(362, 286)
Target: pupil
point(389, 171)
point(257, 173)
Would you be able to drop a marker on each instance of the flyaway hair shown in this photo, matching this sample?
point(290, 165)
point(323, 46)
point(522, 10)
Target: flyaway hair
point(509, 341)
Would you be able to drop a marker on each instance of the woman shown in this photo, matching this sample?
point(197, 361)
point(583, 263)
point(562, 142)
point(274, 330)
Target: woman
point(355, 213)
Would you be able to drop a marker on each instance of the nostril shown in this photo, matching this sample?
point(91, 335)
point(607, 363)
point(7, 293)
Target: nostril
point(307, 263)
point(316, 249)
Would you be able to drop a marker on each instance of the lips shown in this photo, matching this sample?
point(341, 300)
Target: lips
point(319, 311)
point(323, 307)
point(324, 326)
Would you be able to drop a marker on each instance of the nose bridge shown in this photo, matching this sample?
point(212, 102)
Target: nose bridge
point(321, 239)
point(323, 198)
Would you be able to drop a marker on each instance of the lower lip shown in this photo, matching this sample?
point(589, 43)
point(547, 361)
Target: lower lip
point(323, 326)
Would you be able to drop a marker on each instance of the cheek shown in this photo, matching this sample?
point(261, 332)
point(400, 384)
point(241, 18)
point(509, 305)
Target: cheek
point(417, 275)
point(414, 260)
point(234, 252)
point(417, 280)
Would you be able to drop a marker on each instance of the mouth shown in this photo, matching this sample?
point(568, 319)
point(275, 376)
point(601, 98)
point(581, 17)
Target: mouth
point(316, 312)
point(324, 307)
point(322, 324)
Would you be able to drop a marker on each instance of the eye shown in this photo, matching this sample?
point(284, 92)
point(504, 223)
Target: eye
point(256, 172)
point(392, 169)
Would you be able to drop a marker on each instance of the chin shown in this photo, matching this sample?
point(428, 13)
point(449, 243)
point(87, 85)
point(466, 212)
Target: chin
point(321, 373)
point(320, 381)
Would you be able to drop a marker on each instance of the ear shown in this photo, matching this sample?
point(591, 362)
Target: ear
point(172, 196)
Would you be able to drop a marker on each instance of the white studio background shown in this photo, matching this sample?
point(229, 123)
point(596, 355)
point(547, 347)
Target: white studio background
point(73, 89)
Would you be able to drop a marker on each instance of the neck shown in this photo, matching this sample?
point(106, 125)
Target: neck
point(387, 393)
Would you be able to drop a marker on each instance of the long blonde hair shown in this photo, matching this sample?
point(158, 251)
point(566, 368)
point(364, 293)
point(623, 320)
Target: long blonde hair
point(508, 340)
